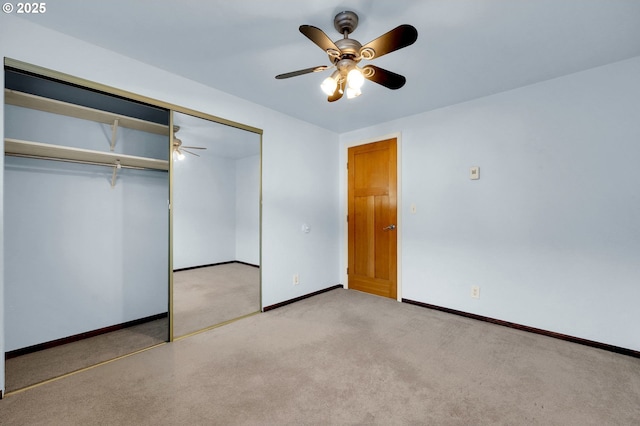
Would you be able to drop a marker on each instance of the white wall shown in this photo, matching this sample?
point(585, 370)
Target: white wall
point(248, 210)
point(216, 210)
point(300, 169)
point(204, 214)
point(79, 255)
point(551, 231)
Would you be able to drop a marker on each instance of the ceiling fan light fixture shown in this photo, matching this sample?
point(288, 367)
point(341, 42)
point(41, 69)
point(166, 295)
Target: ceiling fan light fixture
point(177, 154)
point(353, 93)
point(346, 53)
point(330, 84)
point(355, 79)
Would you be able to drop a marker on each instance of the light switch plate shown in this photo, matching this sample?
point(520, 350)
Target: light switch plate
point(474, 173)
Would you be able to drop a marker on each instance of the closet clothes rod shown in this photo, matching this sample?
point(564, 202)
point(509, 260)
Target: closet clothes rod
point(66, 160)
point(43, 151)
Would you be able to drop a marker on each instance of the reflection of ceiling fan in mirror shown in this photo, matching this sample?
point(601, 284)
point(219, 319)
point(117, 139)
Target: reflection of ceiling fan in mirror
point(178, 149)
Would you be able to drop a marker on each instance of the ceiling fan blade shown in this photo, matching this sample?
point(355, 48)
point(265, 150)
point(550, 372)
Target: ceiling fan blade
point(301, 72)
point(383, 77)
point(189, 152)
point(194, 147)
point(317, 36)
point(336, 95)
point(397, 38)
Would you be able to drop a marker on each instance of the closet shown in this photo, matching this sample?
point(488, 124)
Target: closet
point(86, 218)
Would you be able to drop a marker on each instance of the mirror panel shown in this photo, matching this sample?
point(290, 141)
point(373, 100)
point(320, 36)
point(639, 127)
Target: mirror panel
point(216, 223)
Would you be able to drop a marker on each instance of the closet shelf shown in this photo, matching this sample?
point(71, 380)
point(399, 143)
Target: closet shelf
point(26, 100)
point(20, 148)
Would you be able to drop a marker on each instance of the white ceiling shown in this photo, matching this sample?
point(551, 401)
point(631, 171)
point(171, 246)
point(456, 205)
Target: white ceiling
point(466, 48)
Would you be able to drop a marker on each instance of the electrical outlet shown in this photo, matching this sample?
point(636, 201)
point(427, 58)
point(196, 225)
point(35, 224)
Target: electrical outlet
point(475, 291)
point(296, 279)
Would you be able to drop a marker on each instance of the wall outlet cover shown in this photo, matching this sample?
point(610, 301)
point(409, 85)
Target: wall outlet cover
point(475, 291)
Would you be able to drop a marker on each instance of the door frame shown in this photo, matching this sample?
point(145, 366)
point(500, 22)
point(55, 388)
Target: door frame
point(344, 205)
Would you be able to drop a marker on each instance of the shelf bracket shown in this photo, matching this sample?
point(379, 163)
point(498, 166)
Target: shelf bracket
point(116, 167)
point(114, 133)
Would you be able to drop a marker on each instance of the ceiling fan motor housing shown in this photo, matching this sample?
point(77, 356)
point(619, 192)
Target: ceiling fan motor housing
point(349, 48)
point(346, 21)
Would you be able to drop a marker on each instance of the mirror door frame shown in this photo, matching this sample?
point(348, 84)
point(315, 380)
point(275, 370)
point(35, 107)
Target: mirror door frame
point(88, 84)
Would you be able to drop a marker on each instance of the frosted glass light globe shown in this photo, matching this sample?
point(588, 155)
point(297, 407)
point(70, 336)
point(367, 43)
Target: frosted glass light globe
point(355, 79)
point(329, 85)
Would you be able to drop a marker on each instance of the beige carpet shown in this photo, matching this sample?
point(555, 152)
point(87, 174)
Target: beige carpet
point(346, 358)
point(36, 367)
point(208, 296)
point(202, 297)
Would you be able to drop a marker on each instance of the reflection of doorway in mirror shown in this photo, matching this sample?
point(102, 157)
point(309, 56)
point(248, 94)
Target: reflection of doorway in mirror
point(216, 225)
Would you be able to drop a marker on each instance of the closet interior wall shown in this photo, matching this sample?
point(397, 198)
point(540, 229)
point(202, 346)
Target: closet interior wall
point(86, 246)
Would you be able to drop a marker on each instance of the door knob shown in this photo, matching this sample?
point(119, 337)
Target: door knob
point(389, 228)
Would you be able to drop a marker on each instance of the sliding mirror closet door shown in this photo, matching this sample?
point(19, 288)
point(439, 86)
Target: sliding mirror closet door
point(86, 227)
point(216, 223)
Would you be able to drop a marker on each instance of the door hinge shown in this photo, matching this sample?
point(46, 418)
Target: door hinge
point(347, 165)
point(347, 218)
point(347, 271)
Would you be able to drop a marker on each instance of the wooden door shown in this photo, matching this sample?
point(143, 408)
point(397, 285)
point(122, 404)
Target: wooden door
point(372, 214)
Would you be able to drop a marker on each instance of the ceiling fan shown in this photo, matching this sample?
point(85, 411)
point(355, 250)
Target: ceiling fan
point(178, 149)
point(346, 53)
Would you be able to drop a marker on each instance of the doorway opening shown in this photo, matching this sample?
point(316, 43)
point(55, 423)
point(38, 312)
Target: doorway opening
point(372, 218)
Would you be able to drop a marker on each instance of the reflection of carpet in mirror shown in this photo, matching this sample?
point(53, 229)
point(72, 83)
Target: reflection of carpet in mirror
point(207, 296)
point(32, 368)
